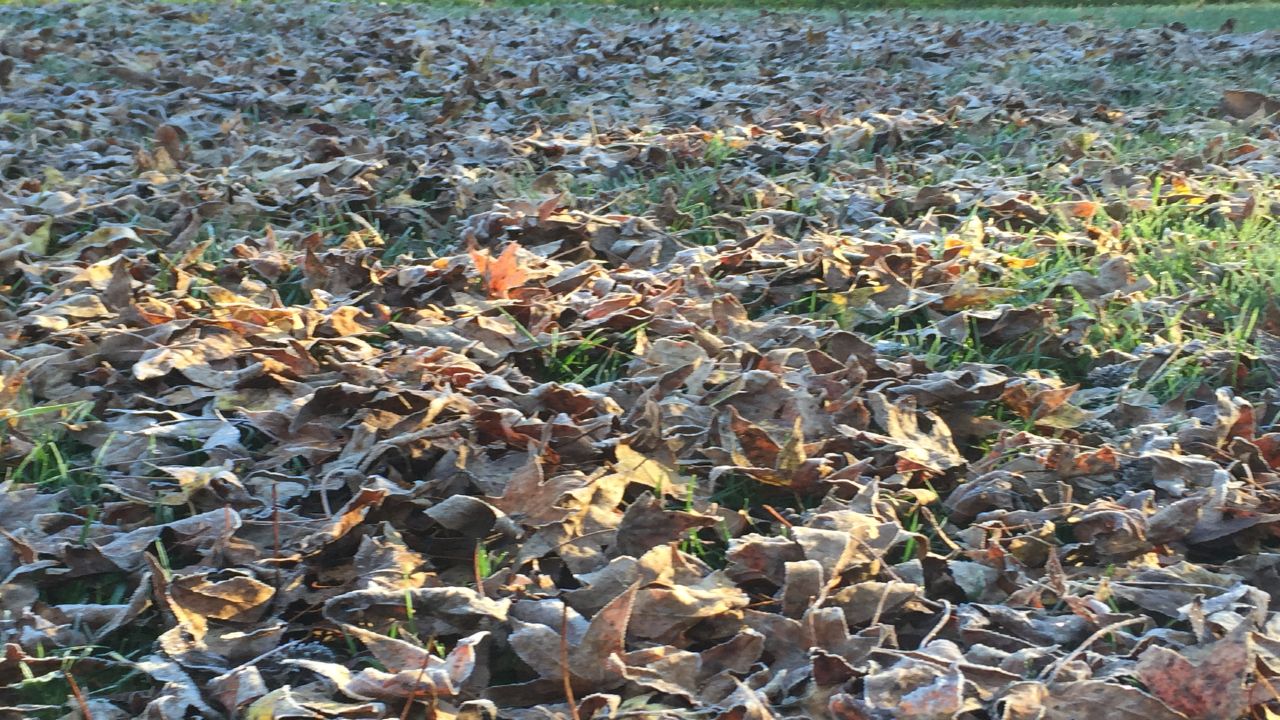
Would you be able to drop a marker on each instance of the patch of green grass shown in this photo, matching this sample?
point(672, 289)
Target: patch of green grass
point(488, 561)
point(413, 242)
point(718, 151)
point(1235, 269)
point(69, 69)
point(102, 589)
point(737, 492)
point(695, 194)
point(594, 359)
point(55, 461)
point(1213, 280)
point(1249, 16)
point(1176, 89)
point(290, 288)
point(99, 672)
point(912, 526)
point(1021, 356)
point(708, 545)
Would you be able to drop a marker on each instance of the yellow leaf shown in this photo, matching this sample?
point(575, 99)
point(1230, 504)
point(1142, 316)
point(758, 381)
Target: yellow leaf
point(792, 455)
point(423, 65)
point(1018, 263)
point(644, 470)
point(965, 294)
point(38, 241)
point(264, 708)
point(52, 178)
point(951, 242)
point(855, 298)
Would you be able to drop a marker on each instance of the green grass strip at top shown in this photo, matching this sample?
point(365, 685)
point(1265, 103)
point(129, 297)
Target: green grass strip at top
point(1249, 17)
point(874, 4)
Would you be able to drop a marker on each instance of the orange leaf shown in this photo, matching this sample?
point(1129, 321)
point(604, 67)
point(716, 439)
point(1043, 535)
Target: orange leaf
point(501, 274)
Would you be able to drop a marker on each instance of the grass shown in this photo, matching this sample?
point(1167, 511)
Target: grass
point(54, 461)
point(98, 671)
point(1212, 282)
point(597, 358)
point(1249, 17)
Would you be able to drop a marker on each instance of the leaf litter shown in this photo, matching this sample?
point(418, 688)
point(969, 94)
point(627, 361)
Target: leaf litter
point(367, 361)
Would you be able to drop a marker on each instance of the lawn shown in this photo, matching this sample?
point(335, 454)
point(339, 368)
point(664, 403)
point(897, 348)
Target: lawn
point(454, 361)
point(1247, 17)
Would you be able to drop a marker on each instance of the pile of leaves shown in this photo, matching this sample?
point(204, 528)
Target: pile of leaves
point(364, 361)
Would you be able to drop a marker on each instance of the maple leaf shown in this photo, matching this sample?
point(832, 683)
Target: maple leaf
point(1202, 682)
point(501, 274)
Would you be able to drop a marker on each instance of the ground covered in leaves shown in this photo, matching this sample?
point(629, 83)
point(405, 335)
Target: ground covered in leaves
point(364, 362)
